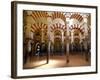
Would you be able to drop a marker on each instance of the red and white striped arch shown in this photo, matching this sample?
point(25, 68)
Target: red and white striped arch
point(38, 26)
point(39, 14)
point(76, 16)
point(57, 26)
point(78, 27)
point(58, 15)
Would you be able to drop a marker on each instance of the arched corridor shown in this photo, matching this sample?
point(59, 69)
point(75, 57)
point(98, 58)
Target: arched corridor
point(62, 37)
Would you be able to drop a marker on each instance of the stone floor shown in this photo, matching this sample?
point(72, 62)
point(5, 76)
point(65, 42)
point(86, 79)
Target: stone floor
point(58, 61)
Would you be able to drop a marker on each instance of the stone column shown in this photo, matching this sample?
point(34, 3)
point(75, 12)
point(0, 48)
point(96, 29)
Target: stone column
point(72, 39)
point(49, 44)
point(67, 40)
point(67, 45)
point(86, 36)
point(49, 20)
point(80, 36)
point(86, 25)
point(62, 33)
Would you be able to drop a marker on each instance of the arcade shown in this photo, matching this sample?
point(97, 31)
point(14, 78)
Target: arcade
point(60, 36)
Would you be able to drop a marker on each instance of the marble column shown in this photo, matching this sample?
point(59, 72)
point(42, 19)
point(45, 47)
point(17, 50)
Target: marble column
point(86, 36)
point(72, 39)
point(80, 36)
point(67, 39)
point(62, 33)
point(49, 44)
point(86, 30)
point(49, 20)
